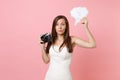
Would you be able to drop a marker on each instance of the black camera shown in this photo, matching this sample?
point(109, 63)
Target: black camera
point(45, 38)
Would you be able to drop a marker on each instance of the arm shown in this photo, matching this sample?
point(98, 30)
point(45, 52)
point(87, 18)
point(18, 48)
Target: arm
point(87, 44)
point(45, 56)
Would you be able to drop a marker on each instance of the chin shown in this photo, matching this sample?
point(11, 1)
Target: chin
point(59, 33)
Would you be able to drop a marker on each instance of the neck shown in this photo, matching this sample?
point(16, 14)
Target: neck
point(60, 37)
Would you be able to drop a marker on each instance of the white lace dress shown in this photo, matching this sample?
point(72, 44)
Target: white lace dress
point(59, 67)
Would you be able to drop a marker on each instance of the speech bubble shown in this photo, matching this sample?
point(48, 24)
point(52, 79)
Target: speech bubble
point(78, 13)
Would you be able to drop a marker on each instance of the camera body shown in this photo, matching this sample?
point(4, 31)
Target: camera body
point(46, 37)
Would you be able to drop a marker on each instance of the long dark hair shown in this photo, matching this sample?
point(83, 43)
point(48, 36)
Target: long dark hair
point(67, 38)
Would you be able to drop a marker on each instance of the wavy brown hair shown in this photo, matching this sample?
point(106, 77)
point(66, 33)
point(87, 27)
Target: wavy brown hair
point(67, 38)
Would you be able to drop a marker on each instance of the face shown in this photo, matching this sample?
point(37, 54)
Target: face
point(60, 26)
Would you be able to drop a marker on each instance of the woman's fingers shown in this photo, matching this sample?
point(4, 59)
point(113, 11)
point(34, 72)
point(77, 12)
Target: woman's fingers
point(84, 20)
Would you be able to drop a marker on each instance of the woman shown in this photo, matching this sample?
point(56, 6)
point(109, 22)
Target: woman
point(59, 51)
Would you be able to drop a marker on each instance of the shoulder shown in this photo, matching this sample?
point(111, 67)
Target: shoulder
point(73, 40)
point(76, 41)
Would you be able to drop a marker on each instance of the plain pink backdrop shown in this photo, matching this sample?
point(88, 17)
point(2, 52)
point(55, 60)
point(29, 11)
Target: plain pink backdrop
point(22, 22)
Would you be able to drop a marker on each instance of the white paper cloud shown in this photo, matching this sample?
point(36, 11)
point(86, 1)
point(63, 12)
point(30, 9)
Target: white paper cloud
point(78, 13)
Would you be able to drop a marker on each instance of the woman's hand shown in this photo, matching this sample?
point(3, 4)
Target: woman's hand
point(42, 43)
point(84, 21)
point(45, 56)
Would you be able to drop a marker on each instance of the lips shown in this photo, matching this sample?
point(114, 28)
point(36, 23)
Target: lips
point(60, 30)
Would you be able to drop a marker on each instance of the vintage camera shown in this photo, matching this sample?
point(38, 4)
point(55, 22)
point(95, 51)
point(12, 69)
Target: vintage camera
point(45, 38)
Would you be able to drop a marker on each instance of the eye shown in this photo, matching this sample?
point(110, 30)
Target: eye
point(56, 24)
point(63, 24)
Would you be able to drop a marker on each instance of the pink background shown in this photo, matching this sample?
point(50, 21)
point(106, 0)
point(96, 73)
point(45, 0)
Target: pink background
point(22, 21)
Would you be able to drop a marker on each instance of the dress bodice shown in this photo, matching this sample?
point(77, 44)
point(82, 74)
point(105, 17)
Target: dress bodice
point(60, 57)
point(59, 68)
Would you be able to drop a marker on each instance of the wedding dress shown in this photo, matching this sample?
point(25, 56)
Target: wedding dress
point(59, 67)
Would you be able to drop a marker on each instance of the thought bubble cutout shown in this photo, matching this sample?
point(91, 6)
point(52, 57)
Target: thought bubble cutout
point(78, 13)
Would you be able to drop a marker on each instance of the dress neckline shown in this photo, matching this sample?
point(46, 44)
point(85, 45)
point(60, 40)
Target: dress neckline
point(58, 46)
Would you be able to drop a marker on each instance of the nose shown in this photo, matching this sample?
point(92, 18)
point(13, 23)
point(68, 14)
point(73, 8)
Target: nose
point(60, 26)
